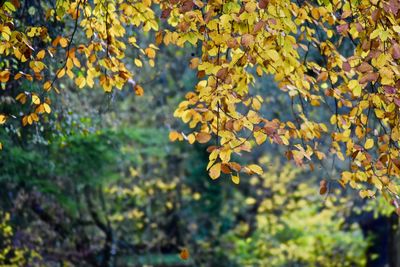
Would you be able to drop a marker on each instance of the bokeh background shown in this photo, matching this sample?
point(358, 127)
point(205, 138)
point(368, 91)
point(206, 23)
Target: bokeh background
point(100, 184)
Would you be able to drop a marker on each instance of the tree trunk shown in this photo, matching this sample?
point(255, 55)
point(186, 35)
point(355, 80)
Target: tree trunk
point(394, 241)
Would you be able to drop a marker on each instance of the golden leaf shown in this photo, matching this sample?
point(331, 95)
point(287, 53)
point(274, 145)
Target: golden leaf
point(35, 99)
point(255, 169)
point(235, 179)
point(369, 143)
point(2, 118)
point(47, 108)
point(174, 135)
point(215, 171)
point(138, 90)
point(184, 254)
point(203, 137)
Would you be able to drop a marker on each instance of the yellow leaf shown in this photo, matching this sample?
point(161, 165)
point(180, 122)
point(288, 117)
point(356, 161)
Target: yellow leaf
point(250, 201)
point(255, 169)
point(174, 135)
point(63, 42)
point(24, 120)
point(21, 98)
point(273, 55)
point(260, 137)
point(191, 138)
point(138, 63)
point(315, 13)
point(34, 117)
point(9, 6)
point(61, 73)
point(259, 71)
point(375, 33)
point(355, 87)
point(47, 108)
point(150, 52)
point(4, 76)
point(377, 182)
point(2, 118)
point(40, 55)
point(80, 82)
point(369, 143)
point(215, 171)
point(29, 119)
point(35, 99)
point(47, 86)
point(366, 193)
point(194, 62)
point(225, 155)
point(235, 179)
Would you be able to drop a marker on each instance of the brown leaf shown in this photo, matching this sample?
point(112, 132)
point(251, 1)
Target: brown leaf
point(389, 89)
point(229, 125)
point(369, 77)
point(323, 187)
point(183, 26)
point(211, 148)
point(235, 166)
point(247, 40)
point(186, 6)
point(221, 74)
point(346, 66)
point(342, 29)
point(396, 51)
point(366, 44)
point(376, 14)
point(259, 25)
point(359, 27)
point(232, 43)
point(263, 4)
point(365, 67)
point(165, 13)
point(225, 169)
point(201, 74)
point(397, 101)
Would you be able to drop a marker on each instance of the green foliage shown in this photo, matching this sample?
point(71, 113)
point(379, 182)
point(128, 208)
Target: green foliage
point(294, 226)
point(10, 254)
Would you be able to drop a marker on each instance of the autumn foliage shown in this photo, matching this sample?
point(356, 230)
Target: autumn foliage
point(355, 85)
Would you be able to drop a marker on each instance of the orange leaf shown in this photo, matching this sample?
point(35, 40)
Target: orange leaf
point(174, 135)
point(139, 90)
point(203, 137)
point(323, 187)
point(184, 255)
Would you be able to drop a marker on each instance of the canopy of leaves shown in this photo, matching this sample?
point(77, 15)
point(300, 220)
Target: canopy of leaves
point(90, 175)
point(353, 78)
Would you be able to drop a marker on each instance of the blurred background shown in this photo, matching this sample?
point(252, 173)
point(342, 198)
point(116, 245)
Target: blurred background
point(98, 183)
